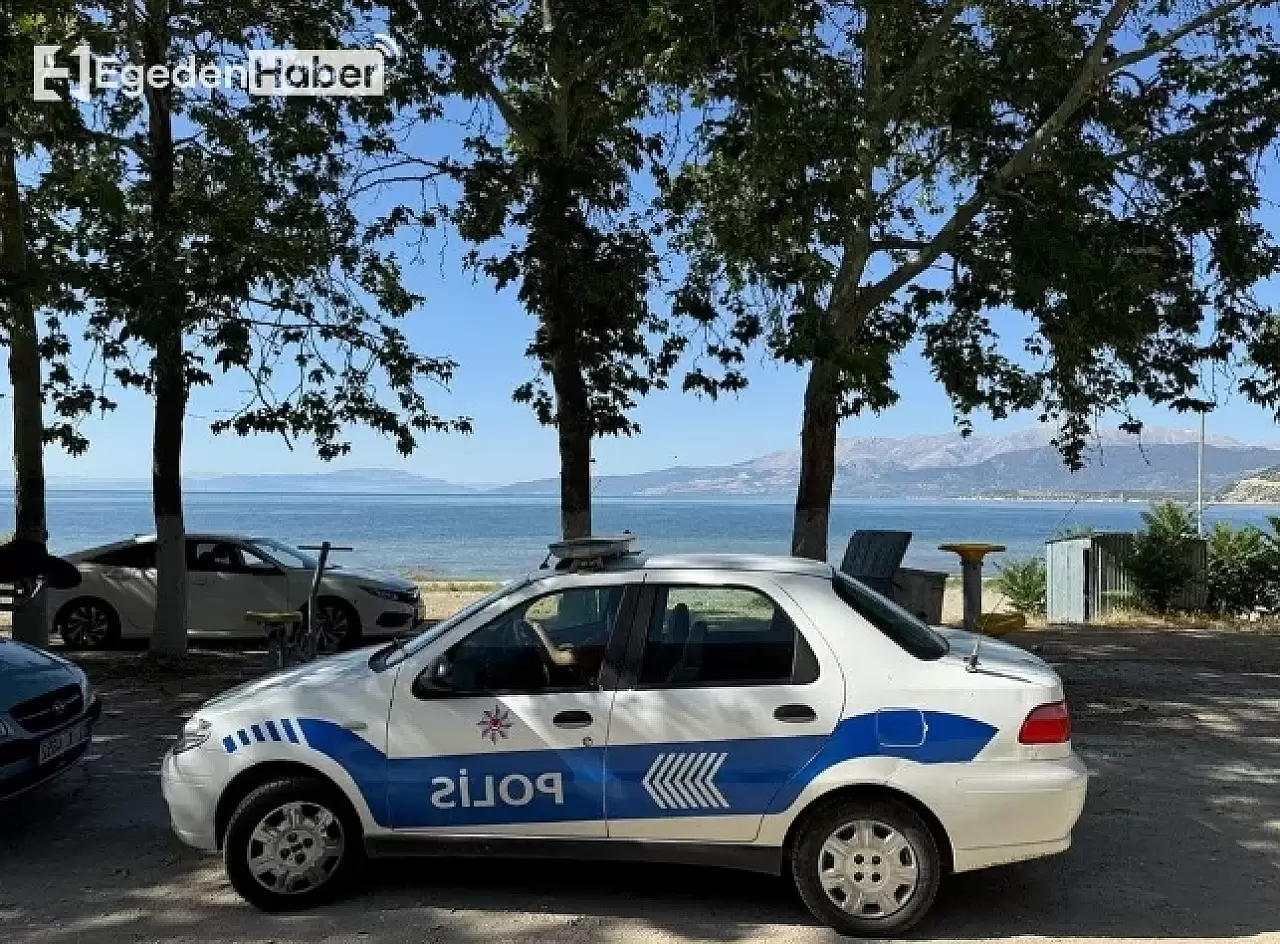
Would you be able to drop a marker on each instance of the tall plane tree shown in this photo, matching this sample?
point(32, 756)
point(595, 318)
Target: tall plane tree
point(877, 174)
point(39, 272)
point(224, 242)
point(553, 169)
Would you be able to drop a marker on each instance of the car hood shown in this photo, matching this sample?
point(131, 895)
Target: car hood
point(363, 575)
point(327, 673)
point(998, 657)
point(26, 671)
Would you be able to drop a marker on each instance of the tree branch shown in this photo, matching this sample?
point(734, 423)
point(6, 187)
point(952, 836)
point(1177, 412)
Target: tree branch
point(499, 98)
point(1161, 43)
point(857, 249)
point(915, 73)
point(889, 243)
point(965, 214)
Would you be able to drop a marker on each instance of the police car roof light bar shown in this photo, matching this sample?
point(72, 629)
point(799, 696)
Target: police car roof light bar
point(582, 553)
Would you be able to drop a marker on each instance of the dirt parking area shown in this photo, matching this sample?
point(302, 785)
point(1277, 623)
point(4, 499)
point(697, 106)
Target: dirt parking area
point(1180, 838)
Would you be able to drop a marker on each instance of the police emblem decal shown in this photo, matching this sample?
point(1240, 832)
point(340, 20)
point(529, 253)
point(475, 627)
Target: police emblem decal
point(494, 724)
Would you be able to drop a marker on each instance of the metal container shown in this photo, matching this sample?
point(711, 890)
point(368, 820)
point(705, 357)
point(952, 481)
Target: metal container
point(1087, 580)
point(920, 593)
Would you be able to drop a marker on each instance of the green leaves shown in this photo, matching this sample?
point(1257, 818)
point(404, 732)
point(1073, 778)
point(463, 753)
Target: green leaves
point(273, 274)
point(875, 174)
point(560, 143)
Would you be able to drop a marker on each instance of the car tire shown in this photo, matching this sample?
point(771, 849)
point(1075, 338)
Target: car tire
point(314, 853)
point(88, 623)
point(339, 612)
point(866, 868)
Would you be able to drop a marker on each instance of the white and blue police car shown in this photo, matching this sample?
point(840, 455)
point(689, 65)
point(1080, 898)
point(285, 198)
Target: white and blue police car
point(752, 712)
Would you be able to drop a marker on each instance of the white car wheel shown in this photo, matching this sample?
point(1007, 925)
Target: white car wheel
point(292, 843)
point(867, 868)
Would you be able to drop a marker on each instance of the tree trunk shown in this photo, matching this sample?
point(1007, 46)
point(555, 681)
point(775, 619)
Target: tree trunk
point(573, 430)
point(165, 331)
point(817, 461)
point(30, 622)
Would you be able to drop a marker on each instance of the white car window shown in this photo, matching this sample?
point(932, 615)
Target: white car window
point(715, 636)
point(555, 643)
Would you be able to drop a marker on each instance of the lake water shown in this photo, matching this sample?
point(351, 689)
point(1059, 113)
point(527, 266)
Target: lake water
point(487, 536)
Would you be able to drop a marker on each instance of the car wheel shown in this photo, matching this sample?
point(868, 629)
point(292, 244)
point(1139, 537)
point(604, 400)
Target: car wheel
point(337, 625)
point(869, 869)
point(88, 624)
point(291, 844)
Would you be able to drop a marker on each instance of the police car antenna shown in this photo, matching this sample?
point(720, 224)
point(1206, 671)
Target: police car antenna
point(971, 663)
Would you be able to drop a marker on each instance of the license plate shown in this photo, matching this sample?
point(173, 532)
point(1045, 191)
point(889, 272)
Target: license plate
point(62, 742)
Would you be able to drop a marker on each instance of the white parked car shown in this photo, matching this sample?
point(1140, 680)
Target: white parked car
point(752, 712)
point(227, 575)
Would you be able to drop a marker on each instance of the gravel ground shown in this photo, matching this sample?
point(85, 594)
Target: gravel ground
point(1180, 838)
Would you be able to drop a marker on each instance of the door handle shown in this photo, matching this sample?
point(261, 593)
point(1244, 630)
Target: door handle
point(573, 719)
point(796, 714)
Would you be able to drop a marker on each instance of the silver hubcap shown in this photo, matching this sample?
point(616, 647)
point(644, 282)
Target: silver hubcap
point(295, 848)
point(87, 625)
point(868, 868)
point(333, 629)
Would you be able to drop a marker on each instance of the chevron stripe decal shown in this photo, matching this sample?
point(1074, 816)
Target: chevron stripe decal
point(686, 781)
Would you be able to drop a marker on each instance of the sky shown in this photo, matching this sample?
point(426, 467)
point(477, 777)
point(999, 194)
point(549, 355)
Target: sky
point(487, 332)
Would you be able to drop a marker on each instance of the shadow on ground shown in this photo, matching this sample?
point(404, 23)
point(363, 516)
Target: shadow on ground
point(1180, 838)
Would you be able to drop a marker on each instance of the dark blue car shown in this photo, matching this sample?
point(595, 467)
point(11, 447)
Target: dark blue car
point(48, 710)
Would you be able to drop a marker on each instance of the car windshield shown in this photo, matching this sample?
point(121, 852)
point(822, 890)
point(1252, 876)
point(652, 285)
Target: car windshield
point(282, 554)
point(906, 630)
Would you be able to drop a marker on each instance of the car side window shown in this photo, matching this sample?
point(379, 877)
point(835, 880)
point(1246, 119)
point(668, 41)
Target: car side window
point(713, 636)
point(214, 557)
point(554, 643)
point(255, 563)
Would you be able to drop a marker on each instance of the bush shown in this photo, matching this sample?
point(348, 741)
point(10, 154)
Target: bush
point(1024, 584)
point(1244, 569)
point(1159, 562)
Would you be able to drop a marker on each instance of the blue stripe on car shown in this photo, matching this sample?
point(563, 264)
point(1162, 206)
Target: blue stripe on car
point(634, 781)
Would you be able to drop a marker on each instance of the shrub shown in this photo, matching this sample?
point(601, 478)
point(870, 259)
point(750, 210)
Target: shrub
point(1244, 569)
point(1024, 584)
point(1159, 562)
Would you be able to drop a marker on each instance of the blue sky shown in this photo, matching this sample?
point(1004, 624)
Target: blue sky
point(487, 333)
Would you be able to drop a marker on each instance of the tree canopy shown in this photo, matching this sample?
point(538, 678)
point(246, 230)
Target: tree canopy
point(874, 175)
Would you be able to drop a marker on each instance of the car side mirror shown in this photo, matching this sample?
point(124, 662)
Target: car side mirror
point(437, 677)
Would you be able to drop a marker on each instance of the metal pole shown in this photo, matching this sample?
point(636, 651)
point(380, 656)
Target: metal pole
point(1200, 480)
point(315, 594)
point(971, 576)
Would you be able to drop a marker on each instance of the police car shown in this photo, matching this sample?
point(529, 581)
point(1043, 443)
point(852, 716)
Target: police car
point(753, 712)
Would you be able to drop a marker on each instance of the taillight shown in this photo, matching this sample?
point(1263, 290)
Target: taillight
point(1047, 724)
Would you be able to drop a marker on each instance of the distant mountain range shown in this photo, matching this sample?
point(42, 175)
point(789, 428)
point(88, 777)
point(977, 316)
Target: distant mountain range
point(339, 481)
point(1022, 464)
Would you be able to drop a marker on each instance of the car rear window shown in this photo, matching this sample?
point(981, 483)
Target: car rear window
point(140, 556)
point(904, 629)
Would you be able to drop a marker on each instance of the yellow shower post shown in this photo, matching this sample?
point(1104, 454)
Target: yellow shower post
point(971, 555)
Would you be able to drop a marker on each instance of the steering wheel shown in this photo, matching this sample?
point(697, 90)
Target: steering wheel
point(530, 637)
